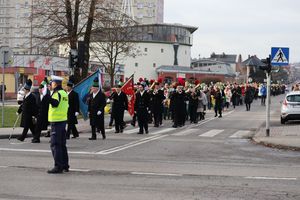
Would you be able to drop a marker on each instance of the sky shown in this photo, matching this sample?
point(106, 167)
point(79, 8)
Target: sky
point(246, 27)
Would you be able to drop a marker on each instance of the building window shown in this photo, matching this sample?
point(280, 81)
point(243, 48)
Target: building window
point(154, 65)
point(136, 64)
point(161, 50)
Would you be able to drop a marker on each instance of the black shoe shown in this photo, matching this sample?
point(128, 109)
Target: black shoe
point(55, 170)
point(20, 138)
point(140, 133)
point(216, 115)
point(103, 137)
point(48, 134)
point(121, 131)
point(92, 138)
point(174, 126)
point(132, 124)
point(75, 136)
point(117, 131)
point(147, 131)
point(35, 141)
point(66, 169)
point(220, 116)
point(67, 137)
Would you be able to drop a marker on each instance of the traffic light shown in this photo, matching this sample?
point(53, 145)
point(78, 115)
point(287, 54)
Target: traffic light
point(267, 64)
point(73, 58)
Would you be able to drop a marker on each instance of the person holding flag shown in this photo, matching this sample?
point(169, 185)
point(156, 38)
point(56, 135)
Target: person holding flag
point(120, 104)
point(96, 105)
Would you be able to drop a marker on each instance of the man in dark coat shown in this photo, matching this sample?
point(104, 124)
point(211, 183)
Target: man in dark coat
point(218, 101)
point(248, 97)
point(179, 107)
point(156, 103)
point(29, 111)
point(193, 105)
point(96, 105)
point(120, 104)
point(141, 108)
point(43, 107)
point(73, 110)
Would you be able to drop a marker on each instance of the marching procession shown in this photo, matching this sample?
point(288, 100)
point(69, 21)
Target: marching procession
point(150, 102)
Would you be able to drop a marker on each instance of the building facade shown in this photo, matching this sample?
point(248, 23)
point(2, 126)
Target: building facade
point(144, 11)
point(160, 44)
point(15, 26)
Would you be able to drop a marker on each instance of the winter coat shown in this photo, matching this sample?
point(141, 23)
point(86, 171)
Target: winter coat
point(96, 104)
point(43, 108)
point(73, 107)
point(28, 109)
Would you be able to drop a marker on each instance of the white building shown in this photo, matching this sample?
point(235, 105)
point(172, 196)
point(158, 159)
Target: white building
point(160, 44)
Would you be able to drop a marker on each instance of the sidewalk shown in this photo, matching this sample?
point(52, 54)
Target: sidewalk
point(282, 137)
point(82, 126)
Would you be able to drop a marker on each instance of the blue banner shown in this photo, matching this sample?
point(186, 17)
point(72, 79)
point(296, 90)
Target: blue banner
point(83, 90)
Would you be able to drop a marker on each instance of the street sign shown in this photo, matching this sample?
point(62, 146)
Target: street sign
point(279, 56)
point(6, 55)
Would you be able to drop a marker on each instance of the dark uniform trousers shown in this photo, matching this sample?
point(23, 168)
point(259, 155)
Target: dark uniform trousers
point(142, 116)
point(58, 145)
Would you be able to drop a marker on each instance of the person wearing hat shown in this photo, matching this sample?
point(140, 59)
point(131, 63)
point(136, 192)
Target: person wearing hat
point(28, 109)
point(156, 101)
point(57, 116)
point(73, 110)
point(120, 104)
point(179, 106)
point(43, 108)
point(96, 105)
point(141, 108)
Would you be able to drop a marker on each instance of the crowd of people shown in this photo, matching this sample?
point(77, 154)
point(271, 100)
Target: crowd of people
point(154, 102)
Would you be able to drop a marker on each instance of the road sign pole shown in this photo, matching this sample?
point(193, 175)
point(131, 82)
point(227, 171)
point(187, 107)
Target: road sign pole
point(3, 85)
point(268, 104)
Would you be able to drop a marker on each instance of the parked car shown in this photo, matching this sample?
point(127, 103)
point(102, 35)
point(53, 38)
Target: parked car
point(290, 108)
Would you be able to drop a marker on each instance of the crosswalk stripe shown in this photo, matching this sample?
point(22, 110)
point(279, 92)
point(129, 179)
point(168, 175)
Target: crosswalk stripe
point(135, 130)
point(240, 134)
point(211, 133)
point(185, 132)
point(165, 130)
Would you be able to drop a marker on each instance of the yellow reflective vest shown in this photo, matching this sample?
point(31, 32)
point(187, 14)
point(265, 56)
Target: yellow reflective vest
point(59, 113)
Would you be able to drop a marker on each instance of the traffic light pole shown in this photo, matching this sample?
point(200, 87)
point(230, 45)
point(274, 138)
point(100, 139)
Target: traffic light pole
point(268, 104)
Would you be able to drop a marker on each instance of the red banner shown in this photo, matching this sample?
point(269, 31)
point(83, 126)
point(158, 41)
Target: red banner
point(128, 89)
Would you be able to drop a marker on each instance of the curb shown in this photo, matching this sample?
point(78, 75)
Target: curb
point(274, 146)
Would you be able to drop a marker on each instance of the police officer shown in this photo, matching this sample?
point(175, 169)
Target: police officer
point(57, 116)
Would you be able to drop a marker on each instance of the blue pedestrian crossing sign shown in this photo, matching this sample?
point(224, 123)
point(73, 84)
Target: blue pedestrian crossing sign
point(279, 56)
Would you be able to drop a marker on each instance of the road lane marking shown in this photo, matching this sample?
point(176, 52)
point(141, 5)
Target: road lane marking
point(155, 174)
point(79, 170)
point(270, 178)
point(211, 133)
point(162, 131)
point(135, 130)
point(127, 146)
point(240, 134)
point(213, 118)
point(185, 132)
point(45, 151)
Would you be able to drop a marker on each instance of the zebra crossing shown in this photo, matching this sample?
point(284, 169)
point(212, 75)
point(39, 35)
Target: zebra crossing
point(187, 131)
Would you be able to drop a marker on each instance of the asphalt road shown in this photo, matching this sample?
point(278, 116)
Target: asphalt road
point(211, 160)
